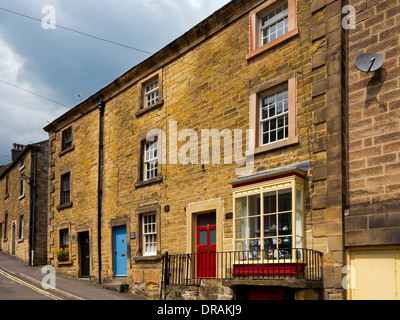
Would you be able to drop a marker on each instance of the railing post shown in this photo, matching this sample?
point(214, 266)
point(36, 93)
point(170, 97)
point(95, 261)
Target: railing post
point(166, 269)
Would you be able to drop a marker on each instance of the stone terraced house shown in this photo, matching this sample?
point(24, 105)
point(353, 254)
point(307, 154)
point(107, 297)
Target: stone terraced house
point(23, 203)
point(218, 167)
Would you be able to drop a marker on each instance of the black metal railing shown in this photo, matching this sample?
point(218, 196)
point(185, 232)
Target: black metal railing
point(190, 269)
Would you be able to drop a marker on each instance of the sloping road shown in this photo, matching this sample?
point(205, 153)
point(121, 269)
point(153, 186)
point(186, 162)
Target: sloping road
point(12, 288)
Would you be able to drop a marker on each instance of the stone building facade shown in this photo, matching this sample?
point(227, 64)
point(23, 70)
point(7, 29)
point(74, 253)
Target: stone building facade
point(134, 172)
point(23, 204)
point(372, 223)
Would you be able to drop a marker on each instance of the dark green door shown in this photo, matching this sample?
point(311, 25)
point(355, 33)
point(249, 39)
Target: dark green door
point(85, 254)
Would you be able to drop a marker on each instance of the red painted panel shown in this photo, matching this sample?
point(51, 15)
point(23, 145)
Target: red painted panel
point(265, 294)
point(276, 268)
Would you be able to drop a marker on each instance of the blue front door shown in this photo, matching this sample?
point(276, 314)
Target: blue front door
point(120, 252)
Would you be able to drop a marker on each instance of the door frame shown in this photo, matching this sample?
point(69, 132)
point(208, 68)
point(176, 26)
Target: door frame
point(197, 208)
point(119, 222)
point(211, 256)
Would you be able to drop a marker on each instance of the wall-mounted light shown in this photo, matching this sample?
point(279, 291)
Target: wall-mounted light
point(25, 178)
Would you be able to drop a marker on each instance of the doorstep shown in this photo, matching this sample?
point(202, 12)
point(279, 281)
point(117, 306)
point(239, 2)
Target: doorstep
point(120, 285)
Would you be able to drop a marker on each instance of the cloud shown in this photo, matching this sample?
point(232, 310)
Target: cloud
point(22, 115)
point(52, 63)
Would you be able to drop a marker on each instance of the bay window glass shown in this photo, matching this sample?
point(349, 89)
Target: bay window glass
point(269, 224)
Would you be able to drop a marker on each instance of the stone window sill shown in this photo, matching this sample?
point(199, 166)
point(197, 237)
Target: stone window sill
point(272, 44)
point(63, 152)
point(147, 258)
point(64, 206)
point(274, 146)
point(147, 109)
point(140, 184)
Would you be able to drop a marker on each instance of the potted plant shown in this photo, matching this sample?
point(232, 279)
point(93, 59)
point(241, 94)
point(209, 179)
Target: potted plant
point(63, 255)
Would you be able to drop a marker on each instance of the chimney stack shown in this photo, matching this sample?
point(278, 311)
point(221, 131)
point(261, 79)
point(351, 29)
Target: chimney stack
point(16, 150)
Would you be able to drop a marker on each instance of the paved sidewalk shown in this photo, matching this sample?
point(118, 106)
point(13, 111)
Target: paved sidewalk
point(67, 287)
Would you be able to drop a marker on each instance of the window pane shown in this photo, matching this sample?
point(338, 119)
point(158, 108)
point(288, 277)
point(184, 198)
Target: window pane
point(272, 124)
point(66, 197)
point(255, 252)
point(285, 242)
point(299, 200)
point(241, 207)
point(241, 246)
point(272, 110)
point(270, 243)
point(285, 224)
point(265, 138)
point(203, 221)
point(66, 182)
point(264, 114)
point(213, 236)
point(213, 220)
point(299, 224)
point(281, 122)
point(203, 238)
point(285, 200)
point(254, 224)
point(273, 136)
point(265, 126)
point(299, 242)
point(254, 205)
point(241, 229)
point(270, 202)
point(64, 238)
point(270, 228)
point(281, 134)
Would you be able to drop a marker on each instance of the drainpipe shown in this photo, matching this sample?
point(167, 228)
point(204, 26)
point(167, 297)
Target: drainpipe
point(33, 209)
point(99, 180)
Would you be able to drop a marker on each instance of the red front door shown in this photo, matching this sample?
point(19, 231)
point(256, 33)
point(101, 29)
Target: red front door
point(206, 245)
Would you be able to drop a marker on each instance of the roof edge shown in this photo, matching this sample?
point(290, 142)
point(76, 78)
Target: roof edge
point(172, 51)
point(300, 169)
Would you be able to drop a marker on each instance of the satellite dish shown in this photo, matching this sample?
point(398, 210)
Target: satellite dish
point(369, 62)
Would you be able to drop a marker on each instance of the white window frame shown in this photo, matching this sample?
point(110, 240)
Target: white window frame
point(149, 234)
point(276, 16)
point(150, 160)
point(262, 254)
point(21, 189)
point(283, 104)
point(22, 167)
point(151, 92)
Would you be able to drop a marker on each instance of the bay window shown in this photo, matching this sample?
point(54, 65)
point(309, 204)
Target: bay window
point(269, 219)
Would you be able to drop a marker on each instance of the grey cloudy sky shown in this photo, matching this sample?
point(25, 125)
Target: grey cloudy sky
point(54, 63)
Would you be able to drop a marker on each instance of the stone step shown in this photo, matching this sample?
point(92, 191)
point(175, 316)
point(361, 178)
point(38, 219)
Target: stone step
point(119, 285)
